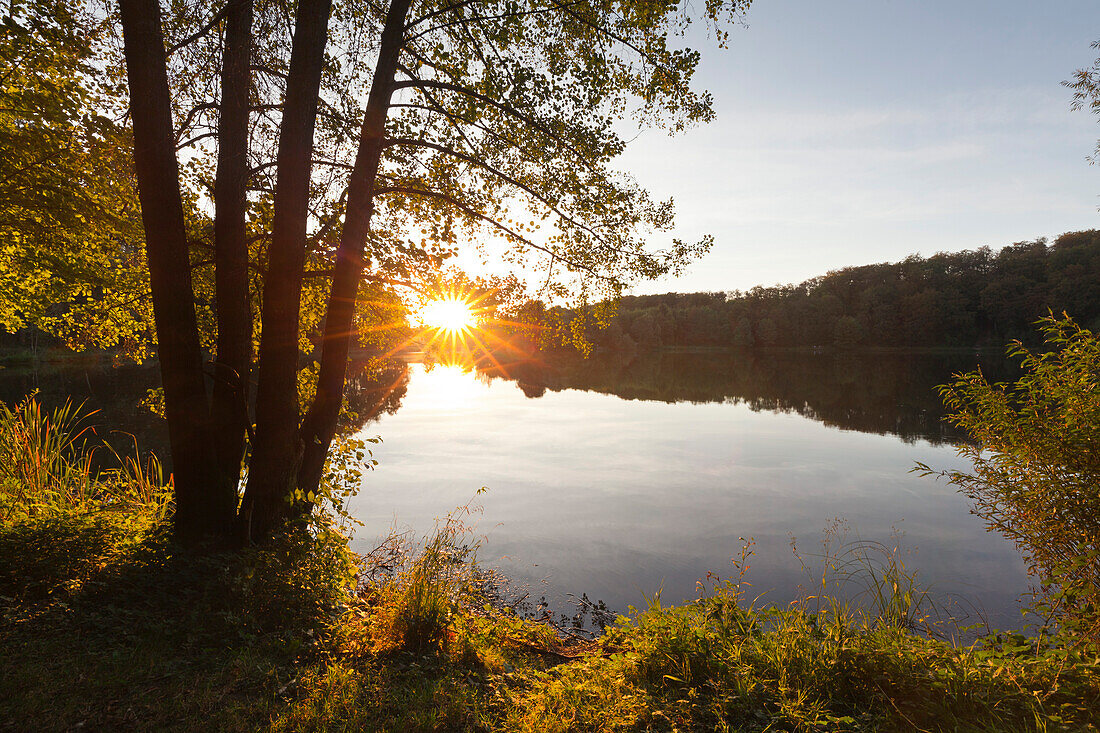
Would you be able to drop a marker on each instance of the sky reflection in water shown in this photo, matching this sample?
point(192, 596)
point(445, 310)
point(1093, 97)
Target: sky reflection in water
point(616, 498)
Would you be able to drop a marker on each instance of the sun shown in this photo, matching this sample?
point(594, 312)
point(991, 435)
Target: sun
point(448, 314)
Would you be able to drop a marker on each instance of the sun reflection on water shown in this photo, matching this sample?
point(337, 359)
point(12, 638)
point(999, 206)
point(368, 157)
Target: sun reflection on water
point(448, 385)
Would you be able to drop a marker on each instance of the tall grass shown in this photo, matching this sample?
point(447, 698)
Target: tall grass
point(818, 664)
point(43, 462)
point(115, 629)
point(431, 592)
point(423, 585)
point(48, 465)
point(867, 582)
point(137, 482)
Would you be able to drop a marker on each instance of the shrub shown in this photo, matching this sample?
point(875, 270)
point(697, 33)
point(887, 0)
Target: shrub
point(433, 588)
point(1035, 473)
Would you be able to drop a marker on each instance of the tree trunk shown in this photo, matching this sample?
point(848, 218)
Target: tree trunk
point(197, 514)
point(276, 454)
point(319, 425)
point(229, 408)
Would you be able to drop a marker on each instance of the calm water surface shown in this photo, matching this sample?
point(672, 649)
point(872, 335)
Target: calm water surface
point(618, 480)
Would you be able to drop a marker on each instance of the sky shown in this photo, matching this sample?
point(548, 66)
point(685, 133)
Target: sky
point(852, 132)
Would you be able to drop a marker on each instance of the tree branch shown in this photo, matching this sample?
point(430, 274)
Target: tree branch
point(192, 114)
point(269, 71)
point(330, 222)
point(436, 13)
point(454, 118)
point(217, 17)
point(504, 177)
point(612, 36)
point(310, 274)
point(473, 214)
point(501, 16)
point(421, 84)
point(197, 138)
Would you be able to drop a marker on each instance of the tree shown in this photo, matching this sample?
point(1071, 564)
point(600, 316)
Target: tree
point(742, 333)
point(1086, 92)
point(481, 116)
point(847, 332)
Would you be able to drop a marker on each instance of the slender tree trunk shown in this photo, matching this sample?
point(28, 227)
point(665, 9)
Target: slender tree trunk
point(319, 425)
point(276, 454)
point(229, 408)
point(169, 270)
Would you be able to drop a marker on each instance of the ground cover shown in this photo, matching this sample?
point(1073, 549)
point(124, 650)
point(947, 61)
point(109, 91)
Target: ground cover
point(107, 625)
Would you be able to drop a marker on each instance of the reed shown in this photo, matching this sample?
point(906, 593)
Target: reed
point(434, 586)
point(50, 464)
point(44, 464)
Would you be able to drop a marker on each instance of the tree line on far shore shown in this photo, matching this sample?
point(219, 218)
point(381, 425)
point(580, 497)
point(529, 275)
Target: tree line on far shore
point(975, 297)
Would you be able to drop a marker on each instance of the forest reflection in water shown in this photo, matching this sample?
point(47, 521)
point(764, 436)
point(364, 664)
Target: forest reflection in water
point(883, 392)
point(618, 478)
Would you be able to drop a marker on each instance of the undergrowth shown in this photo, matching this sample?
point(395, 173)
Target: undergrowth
point(107, 625)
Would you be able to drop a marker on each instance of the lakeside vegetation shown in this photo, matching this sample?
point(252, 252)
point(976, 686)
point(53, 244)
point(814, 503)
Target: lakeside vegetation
point(107, 624)
point(205, 184)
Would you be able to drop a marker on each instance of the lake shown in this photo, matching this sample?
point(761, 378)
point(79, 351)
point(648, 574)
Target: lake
point(617, 478)
point(620, 478)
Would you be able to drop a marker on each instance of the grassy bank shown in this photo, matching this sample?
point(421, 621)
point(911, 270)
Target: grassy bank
point(108, 626)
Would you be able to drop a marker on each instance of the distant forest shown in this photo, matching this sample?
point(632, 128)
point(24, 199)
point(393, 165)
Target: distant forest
point(970, 298)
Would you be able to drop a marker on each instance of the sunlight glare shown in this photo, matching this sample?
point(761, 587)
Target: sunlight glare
point(448, 386)
point(448, 314)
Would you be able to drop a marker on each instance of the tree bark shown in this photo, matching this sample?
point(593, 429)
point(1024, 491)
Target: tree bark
point(185, 402)
point(229, 408)
point(319, 425)
point(276, 454)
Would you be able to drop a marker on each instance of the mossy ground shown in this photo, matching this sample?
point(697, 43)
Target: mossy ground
point(106, 625)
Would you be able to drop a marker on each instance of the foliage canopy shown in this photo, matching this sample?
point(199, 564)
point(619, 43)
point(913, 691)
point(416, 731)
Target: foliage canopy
point(1086, 92)
point(71, 261)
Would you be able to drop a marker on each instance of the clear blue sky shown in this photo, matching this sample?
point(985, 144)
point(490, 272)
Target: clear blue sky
point(860, 131)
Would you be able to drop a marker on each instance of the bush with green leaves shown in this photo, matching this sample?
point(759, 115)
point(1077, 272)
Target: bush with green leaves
point(1035, 473)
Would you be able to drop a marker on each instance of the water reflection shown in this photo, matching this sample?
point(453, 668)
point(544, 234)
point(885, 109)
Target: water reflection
point(621, 479)
point(448, 386)
point(112, 396)
point(374, 387)
point(872, 392)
